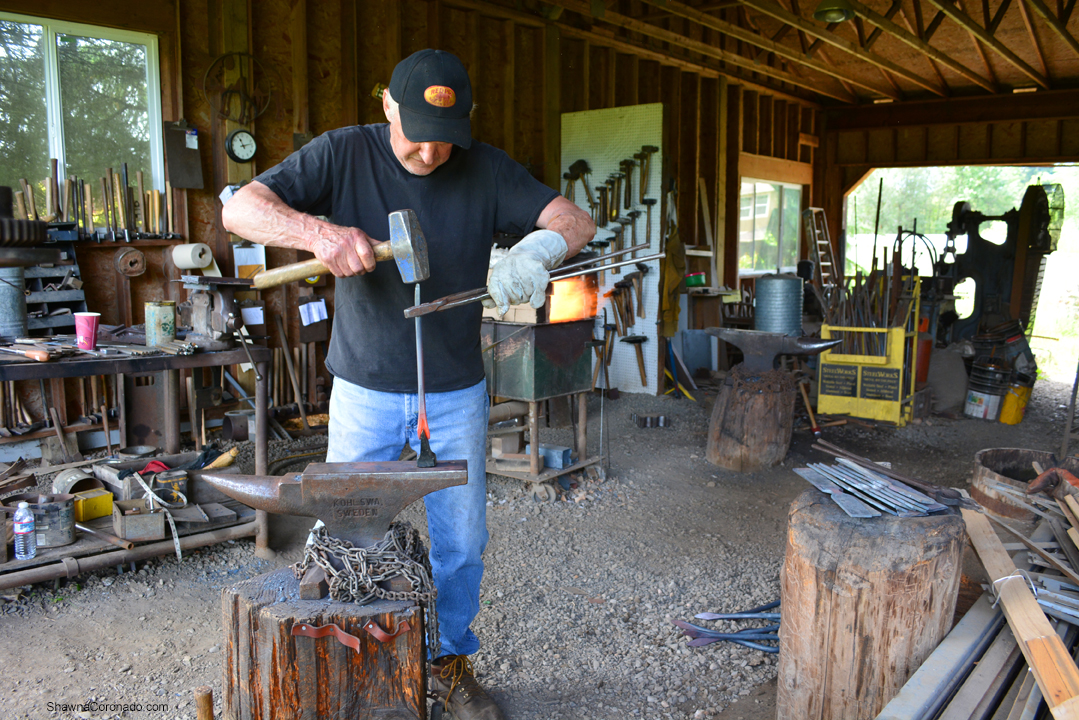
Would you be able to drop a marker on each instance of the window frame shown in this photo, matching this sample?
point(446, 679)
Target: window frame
point(53, 109)
point(780, 207)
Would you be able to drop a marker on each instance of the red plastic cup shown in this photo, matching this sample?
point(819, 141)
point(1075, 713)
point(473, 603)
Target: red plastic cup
point(86, 329)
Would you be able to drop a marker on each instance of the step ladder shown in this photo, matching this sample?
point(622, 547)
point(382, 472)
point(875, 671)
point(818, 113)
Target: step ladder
point(826, 274)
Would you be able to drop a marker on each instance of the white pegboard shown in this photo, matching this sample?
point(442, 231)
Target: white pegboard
point(604, 138)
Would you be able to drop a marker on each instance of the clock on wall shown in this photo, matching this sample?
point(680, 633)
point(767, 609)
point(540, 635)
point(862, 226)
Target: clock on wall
point(240, 146)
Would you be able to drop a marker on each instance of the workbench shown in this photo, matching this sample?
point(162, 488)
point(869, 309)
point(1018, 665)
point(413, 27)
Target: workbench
point(169, 365)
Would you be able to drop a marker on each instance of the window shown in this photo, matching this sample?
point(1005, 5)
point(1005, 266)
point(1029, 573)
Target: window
point(88, 96)
point(769, 226)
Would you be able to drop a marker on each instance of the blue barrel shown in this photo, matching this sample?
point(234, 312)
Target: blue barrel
point(779, 304)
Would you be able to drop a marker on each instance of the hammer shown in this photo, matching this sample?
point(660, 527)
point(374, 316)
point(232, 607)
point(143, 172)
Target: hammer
point(636, 341)
point(406, 246)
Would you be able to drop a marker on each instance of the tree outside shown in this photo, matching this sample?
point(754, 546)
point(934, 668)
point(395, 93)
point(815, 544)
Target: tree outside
point(928, 195)
point(104, 106)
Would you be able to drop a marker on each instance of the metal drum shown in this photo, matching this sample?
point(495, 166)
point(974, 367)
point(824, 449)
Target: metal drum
point(779, 304)
point(12, 302)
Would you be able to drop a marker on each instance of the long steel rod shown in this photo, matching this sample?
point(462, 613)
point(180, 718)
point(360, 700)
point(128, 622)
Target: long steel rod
point(479, 294)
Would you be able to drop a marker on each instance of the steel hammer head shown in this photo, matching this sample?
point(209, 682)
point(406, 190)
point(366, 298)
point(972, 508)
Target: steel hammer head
point(409, 246)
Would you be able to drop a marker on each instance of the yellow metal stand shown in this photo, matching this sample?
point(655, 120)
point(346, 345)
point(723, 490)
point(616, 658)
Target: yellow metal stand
point(875, 386)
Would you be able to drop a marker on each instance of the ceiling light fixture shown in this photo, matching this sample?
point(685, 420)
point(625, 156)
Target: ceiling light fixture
point(882, 101)
point(833, 11)
point(1026, 89)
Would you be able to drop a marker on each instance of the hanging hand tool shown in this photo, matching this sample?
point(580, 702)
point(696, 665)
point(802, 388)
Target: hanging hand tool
point(648, 203)
point(406, 246)
point(619, 244)
point(470, 296)
point(636, 341)
point(614, 184)
point(646, 167)
point(601, 211)
point(627, 167)
point(582, 171)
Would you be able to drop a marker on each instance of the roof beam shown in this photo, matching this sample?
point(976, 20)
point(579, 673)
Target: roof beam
point(972, 110)
point(913, 41)
point(633, 25)
point(779, 13)
point(1034, 40)
point(995, 23)
point(1056, 24)
point(967, 23)
point(896, 6)
point(784, 51)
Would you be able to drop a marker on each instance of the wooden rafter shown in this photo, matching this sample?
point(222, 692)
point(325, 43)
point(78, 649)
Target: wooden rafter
point(1066, 12)
point(978, 47)
point(983, 36)
point(1056, 24)
point(738, 33)
point(677, 40)
point(1033, 33)
point(935, 23)
point(932, 63)
point(897, 5)
point(913, 41)
point(776, 11)
point(995, 22)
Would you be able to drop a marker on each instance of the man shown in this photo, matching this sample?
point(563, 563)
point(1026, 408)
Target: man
point(463, 192)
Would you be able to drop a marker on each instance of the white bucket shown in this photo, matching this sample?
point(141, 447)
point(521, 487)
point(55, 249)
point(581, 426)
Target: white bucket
point(981, 405)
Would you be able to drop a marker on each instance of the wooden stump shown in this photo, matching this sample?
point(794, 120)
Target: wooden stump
point(865, 601)
point(752, 420)
point(271, 674)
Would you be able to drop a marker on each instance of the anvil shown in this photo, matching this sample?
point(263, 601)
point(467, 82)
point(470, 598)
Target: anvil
point(760, 349)
point(356, 501)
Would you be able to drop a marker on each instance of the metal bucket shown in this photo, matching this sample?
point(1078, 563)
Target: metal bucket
point(12, 302)
point(983, 402)
point(73, 480)
point(160, 322)
point(778, 304)
point(54, 517)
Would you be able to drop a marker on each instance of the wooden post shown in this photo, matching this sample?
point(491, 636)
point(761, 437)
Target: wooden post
point(864, 603)
point(269, 672)
point(204, 703)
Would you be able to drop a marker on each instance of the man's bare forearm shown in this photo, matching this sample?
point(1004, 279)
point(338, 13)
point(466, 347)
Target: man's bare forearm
point(569, 221)
point(257, 214)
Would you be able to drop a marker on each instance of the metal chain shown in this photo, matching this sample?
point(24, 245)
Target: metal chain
point(354, 573)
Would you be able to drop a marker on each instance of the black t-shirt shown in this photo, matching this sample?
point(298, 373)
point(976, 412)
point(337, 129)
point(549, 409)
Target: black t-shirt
point(352, 176)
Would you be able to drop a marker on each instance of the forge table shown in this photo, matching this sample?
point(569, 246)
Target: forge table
point(86, 366)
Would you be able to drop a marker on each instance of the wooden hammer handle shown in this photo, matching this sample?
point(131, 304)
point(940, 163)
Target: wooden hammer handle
point(308, 268)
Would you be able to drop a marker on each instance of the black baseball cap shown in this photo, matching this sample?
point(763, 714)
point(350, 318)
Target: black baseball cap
point(435, 98)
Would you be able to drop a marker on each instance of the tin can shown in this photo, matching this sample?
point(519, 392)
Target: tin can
point(160, 322)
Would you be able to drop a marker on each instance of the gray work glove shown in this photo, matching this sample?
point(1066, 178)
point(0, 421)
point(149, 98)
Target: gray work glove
point(523, 274)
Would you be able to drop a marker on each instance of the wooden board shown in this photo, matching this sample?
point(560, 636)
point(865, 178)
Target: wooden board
point(1053, 668)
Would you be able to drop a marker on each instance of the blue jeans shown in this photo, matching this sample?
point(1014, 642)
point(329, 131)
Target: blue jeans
point(368, 426)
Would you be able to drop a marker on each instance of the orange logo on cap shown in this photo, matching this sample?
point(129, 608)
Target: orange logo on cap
point(440, 96)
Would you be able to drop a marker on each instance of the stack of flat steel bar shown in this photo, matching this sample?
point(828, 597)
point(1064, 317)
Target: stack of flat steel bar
point(874, 492)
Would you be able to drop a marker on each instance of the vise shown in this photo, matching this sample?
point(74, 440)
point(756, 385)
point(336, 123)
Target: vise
point(211, 311)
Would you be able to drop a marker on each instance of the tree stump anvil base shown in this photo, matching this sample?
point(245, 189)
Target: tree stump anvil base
point(271, 673)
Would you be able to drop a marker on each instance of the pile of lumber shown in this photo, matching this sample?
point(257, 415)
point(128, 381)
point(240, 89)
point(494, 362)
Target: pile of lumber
point(1013, 655)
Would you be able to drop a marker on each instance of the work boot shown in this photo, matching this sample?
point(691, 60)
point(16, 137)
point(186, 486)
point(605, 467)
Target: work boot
point(453, 681)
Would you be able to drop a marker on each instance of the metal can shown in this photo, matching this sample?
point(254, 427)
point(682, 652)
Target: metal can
point(160, 322)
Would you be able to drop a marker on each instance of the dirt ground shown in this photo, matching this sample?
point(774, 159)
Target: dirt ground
point(577, 598)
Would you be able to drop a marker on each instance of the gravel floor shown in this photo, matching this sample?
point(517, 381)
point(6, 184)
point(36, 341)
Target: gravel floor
point(577, 598)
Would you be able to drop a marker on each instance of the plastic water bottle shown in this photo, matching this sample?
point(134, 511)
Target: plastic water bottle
point(25, 534)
